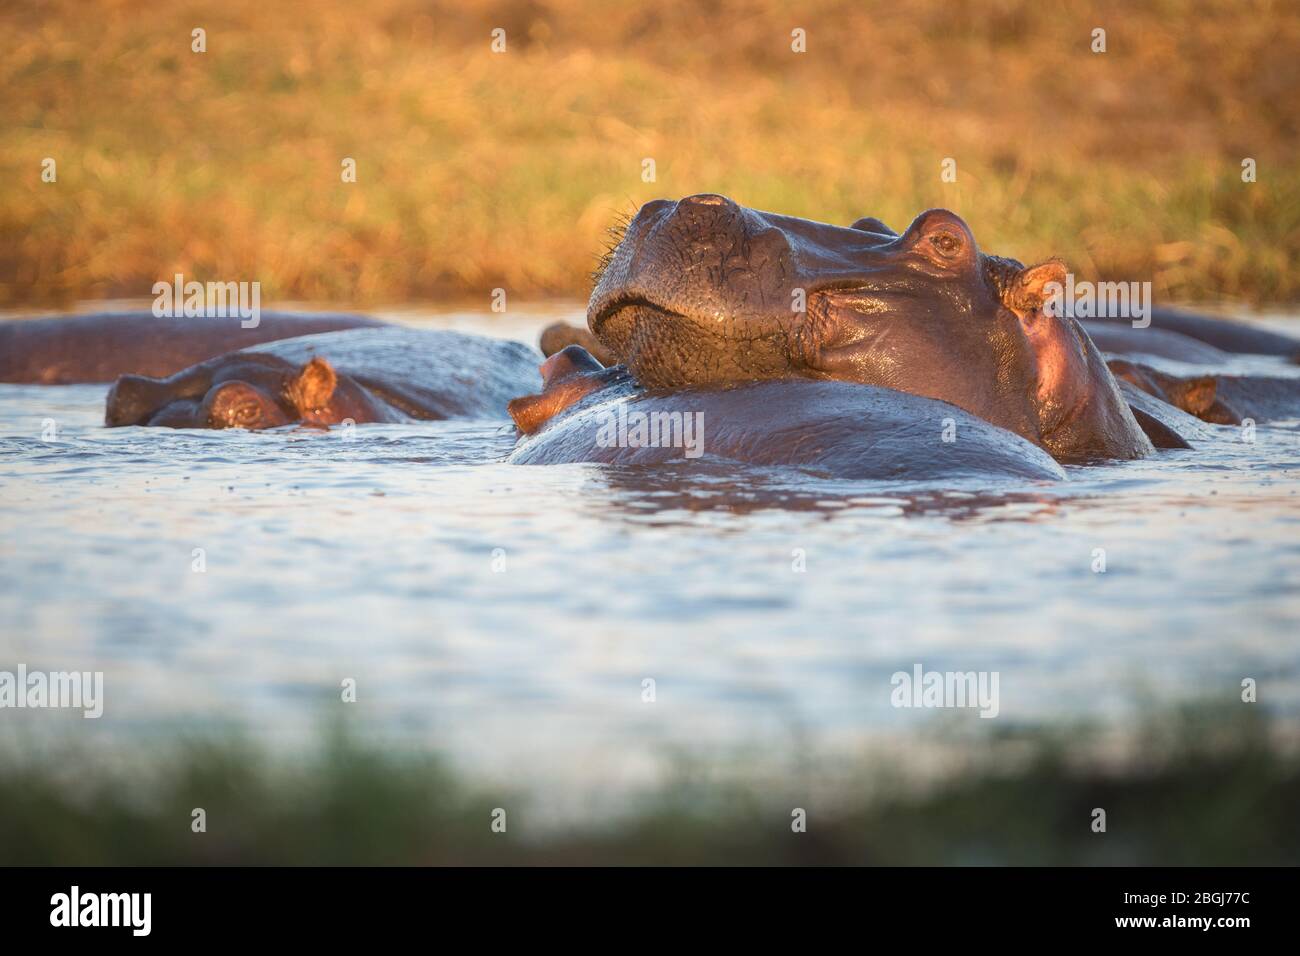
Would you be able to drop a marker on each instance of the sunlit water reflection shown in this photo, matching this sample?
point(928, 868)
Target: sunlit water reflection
point(373, 558)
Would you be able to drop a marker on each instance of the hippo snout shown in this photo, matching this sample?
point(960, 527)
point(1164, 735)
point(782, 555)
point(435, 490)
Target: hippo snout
point(707, 199)
point(703, 218)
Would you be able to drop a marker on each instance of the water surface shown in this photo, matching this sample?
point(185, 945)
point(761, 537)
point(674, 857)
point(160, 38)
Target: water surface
point(511, 614)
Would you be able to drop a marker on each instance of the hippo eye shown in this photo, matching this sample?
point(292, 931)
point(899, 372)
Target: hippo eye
point(238, 415)
point(235, 414)
point(946, 243)
point(246, 413)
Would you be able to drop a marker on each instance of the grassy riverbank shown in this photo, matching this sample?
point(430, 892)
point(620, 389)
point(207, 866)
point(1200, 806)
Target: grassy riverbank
point(477, 170)
point(1216, 788)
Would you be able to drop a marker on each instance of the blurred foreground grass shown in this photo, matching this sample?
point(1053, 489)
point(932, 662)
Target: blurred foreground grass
point(477, 170)
point(1198, 787)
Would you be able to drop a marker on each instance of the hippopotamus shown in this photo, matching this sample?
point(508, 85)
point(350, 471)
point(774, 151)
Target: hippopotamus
point(1180, 358)
point(100, 347)
point(558, 335)
point(1222, 399)
point(1116, 338)
point(1226, 335)
point(705, 292)
point(1217, 398)
point(834, 429)
point(1185, 337)
point(388, 374)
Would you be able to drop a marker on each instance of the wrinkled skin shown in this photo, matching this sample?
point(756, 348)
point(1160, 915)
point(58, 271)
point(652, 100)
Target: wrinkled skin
point(832, 429)
point(100, 347)
point(706, 292)
point(388, 374)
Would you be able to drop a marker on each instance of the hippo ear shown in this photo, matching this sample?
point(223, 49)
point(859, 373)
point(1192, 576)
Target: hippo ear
point(568, 376)
point(134, 398)
point(313, 386)
point(1030, 290)
point(1198, 394)
point(557, 336)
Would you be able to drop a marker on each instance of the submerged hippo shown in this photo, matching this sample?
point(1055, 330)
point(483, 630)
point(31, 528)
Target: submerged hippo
point(1226, 335)
point(387, 374)
point(1222, 399)
point(1116, 338)
point(706, 292)
point(100, 347)
point(1184, 337)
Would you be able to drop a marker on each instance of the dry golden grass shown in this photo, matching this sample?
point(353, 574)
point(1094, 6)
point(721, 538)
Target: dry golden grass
point(479, 170)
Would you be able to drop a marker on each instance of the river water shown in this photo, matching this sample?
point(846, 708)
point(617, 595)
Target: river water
point(511, 616)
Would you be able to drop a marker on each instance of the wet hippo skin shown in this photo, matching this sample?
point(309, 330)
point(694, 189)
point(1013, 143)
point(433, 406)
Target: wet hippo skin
point(703, 291)
point(100, 347)
point(386, 374)
point(828, 428)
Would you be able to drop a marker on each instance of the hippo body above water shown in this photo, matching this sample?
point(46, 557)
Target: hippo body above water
point(1225, 335)
point(832, 429)
point(100, 347)
point(386, 374)
point(1121, 338)
point(706, 292)
point(850, 351)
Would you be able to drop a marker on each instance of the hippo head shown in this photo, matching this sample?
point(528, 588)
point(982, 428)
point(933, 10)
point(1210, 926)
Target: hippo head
point(704, 291)
point(241, 390)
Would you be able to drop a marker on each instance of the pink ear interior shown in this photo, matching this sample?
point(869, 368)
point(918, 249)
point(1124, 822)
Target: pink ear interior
point(1030, 290)
point(314, 385)
point(567, 377)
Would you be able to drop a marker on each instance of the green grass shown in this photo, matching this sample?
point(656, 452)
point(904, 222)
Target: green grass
point(479, 170)
point(1209, 787)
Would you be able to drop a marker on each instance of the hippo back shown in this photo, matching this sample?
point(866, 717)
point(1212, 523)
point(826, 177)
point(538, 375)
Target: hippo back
point(832, 428)
point(424, 373)
point(1227, 335)
point(102, 346)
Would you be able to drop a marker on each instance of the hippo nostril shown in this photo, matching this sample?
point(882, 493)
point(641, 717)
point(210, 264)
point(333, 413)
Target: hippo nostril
point(706, 199)
point(768, 246)
point(772, 236)
point(653, 206)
